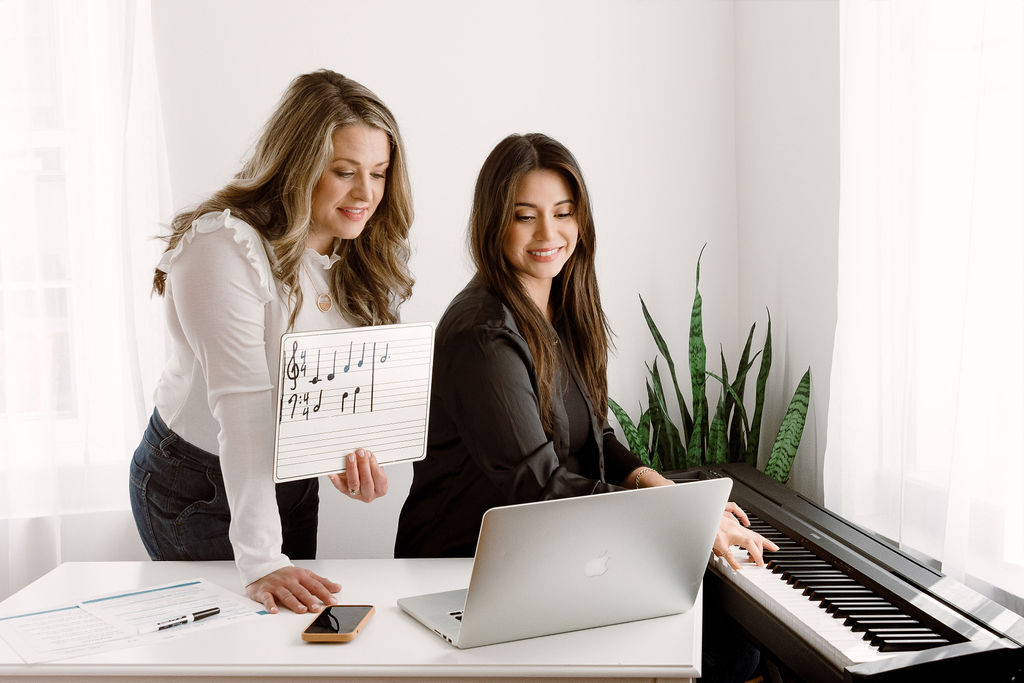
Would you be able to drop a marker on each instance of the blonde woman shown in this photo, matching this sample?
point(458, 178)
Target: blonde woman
point(311, 234)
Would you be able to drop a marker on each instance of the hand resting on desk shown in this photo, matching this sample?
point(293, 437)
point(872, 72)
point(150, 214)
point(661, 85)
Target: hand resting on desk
point(300, 590)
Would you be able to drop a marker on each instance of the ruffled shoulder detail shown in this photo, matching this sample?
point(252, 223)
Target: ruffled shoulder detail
point(244, 235)
point(325, 261)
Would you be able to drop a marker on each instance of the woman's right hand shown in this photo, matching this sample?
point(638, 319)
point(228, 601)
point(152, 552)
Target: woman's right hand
point(733, 530)
point(363, 479)
point(300, 590)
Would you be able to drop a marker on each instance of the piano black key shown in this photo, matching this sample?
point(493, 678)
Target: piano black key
point(816, 578)
point(793, 577)
point(794, 552)
point(912, 632)
point(802, 582)
point(856, 600)
point(806, 560)
point(835, 607)
point(828, 586)
point(773, 535)
point(840, 594)
point(814, 571)
point(779, 567)
point(812, 577)
point(909, 644)
point(865, 611)
point(835, 582)
point(865, 623)
point(861, 611)
point(820, 594)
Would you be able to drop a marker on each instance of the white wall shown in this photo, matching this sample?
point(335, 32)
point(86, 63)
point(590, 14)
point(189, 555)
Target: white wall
point(787, 169)
point(669, 105)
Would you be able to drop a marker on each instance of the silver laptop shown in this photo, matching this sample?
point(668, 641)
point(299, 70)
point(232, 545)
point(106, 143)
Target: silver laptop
point(574, 563)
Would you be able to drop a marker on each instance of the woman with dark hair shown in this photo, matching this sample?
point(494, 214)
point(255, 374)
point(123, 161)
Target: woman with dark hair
point(519, 395)
point(311, 234)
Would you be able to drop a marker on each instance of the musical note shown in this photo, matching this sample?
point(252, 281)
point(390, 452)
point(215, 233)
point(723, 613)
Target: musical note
point(334, 367)
point(354, 394)
point(349, 363)
point(317, 377)
point(316, 408)
point(343, 397)
point(362, 356)
point(292, 369)
point(385, 356)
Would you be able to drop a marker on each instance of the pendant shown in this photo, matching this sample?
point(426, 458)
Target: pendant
point(323, 302)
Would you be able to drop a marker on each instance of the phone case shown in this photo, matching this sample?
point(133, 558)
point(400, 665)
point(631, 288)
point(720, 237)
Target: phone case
point(337, 637)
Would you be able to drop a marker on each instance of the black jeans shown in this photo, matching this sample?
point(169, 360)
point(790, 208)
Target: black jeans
point(181, 510)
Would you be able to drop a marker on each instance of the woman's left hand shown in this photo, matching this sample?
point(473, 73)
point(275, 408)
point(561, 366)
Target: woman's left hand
point(363, 478)
point(732, 530)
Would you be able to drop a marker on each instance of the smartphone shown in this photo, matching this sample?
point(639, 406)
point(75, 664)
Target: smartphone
point(337, 623)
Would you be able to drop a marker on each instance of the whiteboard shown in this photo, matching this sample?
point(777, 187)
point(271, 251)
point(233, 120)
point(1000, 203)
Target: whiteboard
point(339, 390)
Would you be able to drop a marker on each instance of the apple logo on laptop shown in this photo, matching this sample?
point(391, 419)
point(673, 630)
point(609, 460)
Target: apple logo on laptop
point(596, 566)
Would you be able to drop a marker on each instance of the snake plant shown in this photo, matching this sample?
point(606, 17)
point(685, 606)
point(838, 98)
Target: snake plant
point(701, 437)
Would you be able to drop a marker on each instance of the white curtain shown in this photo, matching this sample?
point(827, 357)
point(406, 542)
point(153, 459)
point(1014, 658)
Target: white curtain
point(84, 185)
point(925, 443)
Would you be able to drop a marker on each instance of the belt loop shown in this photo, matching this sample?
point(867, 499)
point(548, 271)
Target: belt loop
point(168, 440)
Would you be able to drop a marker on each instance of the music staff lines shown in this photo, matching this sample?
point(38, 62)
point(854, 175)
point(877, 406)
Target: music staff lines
point(347, 434)
point(374, 446)
point(378, 451)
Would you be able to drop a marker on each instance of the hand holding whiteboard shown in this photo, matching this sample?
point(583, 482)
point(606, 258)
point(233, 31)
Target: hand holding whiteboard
point(339, 390)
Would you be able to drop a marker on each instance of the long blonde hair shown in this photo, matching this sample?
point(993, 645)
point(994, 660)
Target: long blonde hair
point(575, 301)
point(273, 193)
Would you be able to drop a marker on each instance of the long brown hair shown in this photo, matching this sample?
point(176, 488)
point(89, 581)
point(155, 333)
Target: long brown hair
point(273, 193)
point(575, 302)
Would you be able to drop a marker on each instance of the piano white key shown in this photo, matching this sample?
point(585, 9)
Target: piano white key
point(838, 643)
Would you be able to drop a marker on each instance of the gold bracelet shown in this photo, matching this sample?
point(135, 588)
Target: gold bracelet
point(639, 473)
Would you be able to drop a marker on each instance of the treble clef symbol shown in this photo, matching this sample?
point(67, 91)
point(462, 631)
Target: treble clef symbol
point(292, 370)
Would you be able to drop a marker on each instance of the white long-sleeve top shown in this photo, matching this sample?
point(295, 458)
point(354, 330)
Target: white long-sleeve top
point(225, 315)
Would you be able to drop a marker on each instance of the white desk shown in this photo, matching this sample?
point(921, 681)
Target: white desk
point(391, 645)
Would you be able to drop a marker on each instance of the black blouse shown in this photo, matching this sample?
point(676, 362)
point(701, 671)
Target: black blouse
point(486, 446)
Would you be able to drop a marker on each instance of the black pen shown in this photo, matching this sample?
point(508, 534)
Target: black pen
point(178, 621)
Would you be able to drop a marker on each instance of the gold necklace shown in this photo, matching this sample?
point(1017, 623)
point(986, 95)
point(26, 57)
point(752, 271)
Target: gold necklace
point(323, 299)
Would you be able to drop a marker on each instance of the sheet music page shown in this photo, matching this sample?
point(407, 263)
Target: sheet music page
point(112, 621)
point(339, 390)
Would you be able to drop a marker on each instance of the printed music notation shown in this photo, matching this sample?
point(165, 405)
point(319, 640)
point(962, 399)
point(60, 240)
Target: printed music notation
point(339, 390)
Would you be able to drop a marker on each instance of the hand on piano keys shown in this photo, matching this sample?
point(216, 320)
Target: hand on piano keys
point(735, 531)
